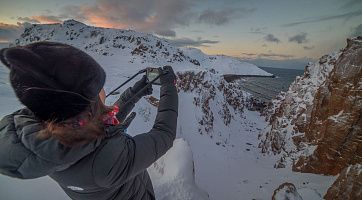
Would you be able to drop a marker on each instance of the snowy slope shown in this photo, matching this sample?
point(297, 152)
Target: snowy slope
point(173, 175)
point(216, 152)
point(134, 50)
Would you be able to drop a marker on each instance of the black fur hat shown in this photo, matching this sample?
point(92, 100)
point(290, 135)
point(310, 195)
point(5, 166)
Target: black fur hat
point(55, 81)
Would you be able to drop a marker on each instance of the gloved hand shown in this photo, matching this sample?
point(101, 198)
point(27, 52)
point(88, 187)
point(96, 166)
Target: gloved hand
point(168, 75)
point(139, 85)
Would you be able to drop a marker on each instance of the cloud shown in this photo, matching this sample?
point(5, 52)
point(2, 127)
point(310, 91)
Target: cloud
point(271, 38)
point(9, 32)
point(197, 31)
point(258, 30)
point(345, 16)
point(167, 33)
point(224, 16)
point(249, 54)
point(266, 55)
point(357, 31)
point(28, 19)
point(274, 55)
point(158, 16)
point(299, 38)
point(43, 19)
point(308, 47)
point(161, 17)
point(351, 4)
point(199, 42)
point(47, 19)
point(292, 63)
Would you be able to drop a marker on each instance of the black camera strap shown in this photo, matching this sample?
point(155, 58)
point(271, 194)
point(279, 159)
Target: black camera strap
point(128, 80)
point(142, 90)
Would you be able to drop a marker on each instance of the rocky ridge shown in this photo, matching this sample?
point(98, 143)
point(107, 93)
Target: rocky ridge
point(137, 47)
point(211, 90)
point(316, 126)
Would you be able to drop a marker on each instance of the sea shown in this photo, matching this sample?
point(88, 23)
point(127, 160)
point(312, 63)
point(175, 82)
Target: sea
point(266, 88)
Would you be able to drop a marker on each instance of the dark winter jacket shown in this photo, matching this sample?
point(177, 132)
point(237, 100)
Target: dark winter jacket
point(112, 168)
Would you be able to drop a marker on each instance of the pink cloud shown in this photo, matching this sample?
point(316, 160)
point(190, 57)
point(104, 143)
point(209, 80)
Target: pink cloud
point(43, 19)
point(8, 32)
point(160, 16)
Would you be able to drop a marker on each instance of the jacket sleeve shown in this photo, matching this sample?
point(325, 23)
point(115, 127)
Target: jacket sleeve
point(125, 109)
point(123, 157)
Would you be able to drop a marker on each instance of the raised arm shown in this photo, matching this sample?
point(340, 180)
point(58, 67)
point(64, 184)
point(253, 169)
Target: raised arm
point(124, 157)
point(125, 109)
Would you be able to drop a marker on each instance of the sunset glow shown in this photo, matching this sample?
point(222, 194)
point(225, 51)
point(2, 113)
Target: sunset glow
point(278, 30)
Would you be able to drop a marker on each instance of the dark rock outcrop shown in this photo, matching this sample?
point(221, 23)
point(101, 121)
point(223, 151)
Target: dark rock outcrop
point(335, 125)
point(348, 184)
point(317, 125)
point(286, 191)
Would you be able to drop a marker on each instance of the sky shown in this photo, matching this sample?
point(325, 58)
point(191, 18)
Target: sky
point(257, 30)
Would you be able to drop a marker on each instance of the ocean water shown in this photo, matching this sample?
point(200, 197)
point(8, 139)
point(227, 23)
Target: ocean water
point(266, 88)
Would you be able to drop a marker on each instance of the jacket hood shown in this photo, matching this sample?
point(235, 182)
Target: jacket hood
point(24, 155)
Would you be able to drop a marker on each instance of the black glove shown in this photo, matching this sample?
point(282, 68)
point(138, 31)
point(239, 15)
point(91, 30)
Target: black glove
point(168, 76)
point(139, 85)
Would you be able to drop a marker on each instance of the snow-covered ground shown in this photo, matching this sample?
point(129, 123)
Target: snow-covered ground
point(234, 171)
point(221, 163)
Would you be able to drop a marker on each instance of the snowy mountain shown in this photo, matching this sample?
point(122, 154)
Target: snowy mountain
point(216, 154)
point(134, 50)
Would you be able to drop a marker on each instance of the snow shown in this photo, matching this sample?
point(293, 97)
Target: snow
point(341, 117)
point(225, 64)
point(222, 163)
point(173, 174)
point(228, 65)
point(195, 167)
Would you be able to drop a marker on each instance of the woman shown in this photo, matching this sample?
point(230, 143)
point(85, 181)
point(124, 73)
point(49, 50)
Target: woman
point(68, 133)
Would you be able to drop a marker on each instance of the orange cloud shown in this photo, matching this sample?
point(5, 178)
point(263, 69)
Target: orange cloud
point(99, 16)
point(158, 16)
point(8, 26)
point(44, 19)
point(8, 32)
point(104, 22)
point(3, 41)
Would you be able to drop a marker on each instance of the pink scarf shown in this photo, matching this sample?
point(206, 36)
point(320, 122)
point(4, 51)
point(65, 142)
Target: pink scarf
point(110, 118)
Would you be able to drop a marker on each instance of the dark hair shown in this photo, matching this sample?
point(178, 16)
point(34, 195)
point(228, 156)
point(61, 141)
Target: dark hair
point(70, 133)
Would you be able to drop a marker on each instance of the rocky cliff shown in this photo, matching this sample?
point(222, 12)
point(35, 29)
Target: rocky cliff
point(317, 125)
point(348, 184)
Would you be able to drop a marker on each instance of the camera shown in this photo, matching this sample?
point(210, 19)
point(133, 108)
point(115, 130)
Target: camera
point(151, 74)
